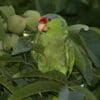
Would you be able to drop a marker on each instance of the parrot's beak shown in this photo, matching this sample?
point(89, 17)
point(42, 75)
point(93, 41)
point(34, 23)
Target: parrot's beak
point(42, 27)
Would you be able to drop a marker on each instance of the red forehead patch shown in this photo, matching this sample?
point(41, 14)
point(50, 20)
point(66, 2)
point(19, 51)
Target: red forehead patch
point(43, 19)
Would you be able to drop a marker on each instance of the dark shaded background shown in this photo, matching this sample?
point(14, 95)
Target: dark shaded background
point(74, 11)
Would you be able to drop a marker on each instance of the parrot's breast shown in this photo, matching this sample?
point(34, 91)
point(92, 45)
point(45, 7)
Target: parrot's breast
point(54, 54)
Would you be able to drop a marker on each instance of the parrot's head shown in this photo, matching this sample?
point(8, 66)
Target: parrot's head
point(50, 22)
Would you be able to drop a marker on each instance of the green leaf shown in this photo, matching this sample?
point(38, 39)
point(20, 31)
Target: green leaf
point(35, 88)
point(8, 58)
point(63, 94)
point(2, 31)
point(88, 94)
point(22, 46)
point(7, 84)
point(76, 95)
point(82, 56)
point(51, 75)
point(3, 96)
point(7, 11)
point(77, 27)
point(95, 29)
point(82, 61)
point(81, 40)
point(91, 42)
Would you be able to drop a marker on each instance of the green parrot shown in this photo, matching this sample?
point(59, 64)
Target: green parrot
point(49, 48)
point(59, 47)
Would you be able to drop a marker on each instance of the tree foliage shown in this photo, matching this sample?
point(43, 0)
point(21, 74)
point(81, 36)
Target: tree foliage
point(20, 78)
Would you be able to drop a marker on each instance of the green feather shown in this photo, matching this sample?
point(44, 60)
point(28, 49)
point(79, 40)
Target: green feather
point(53, 41)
